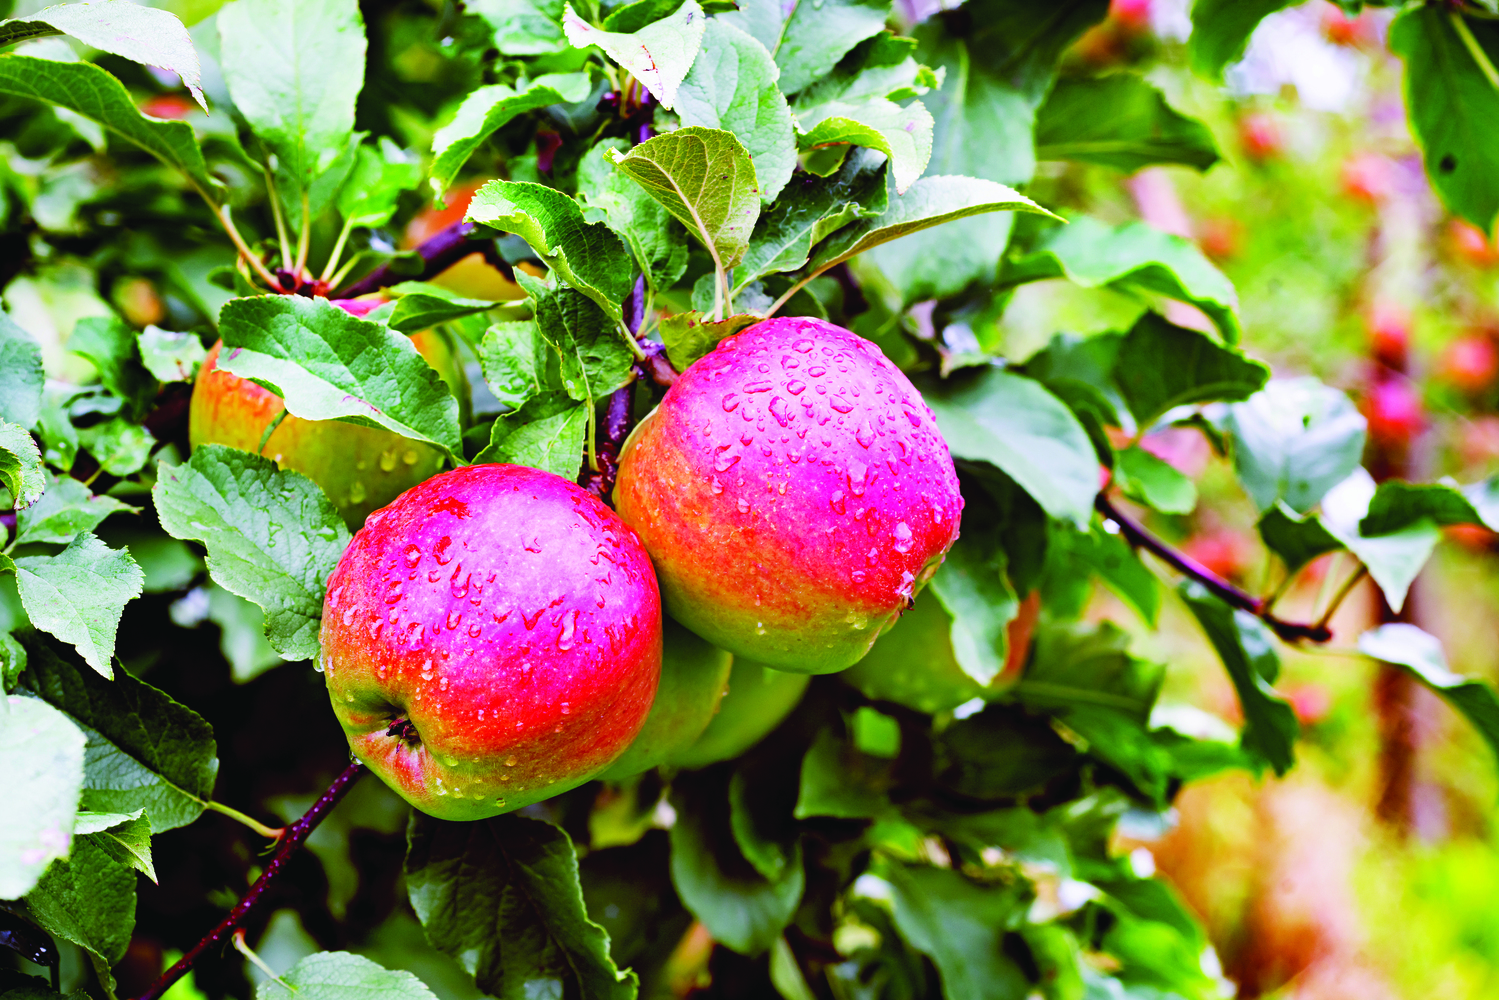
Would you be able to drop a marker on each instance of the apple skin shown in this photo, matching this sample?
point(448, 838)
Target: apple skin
point(511, 619)
point(758, 699)
point(913, 665)
point(794, 493)
point(360, 468)
point(694, 679)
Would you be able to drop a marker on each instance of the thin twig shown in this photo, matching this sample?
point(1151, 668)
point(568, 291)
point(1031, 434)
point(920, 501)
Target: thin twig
point(1231, 595)
point(1343, 591)
point(259, 963)
point(441, 252)
point(273, 832)
point(294, 837)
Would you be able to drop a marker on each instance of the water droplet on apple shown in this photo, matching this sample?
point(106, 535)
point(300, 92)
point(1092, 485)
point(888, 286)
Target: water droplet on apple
point(837, 501)
point(744, 506)
point(413, 555)
point(348, 616)
point(841, 405)
point(730, 402)
point(440, 551)
point(803, 346)
point(393, 591)
point(903, 537)
point(565, 638)
point(454, 617)
point(865, 435)
point(857, 475)
point(796, 387)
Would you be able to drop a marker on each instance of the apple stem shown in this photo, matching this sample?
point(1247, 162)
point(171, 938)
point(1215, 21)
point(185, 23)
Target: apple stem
point(293, 838)
point(1139, 538)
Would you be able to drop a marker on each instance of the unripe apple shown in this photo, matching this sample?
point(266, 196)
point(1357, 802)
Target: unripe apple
point(794, 493)
point(360, 468)
point(694, 678)
point(758, 700)
point(913, 662)
point(491, 639)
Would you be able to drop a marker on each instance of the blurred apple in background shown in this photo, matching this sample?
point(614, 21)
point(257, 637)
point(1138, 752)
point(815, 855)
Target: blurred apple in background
point(1260, 136)
point(1394, 412)
point(1470, 243)
point(1471, 361)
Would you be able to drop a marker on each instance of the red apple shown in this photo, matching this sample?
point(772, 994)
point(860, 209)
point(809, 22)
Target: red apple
point(758, 699)
point(1259, 134)
point(360, 468)
point(1367, 177)
point(1389, 334)
point(794, 493)
point(490, 639)
point(1470, 362)
point(694, 678)
point(1394, 412)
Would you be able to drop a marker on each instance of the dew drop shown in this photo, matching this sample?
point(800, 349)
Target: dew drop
point(744, 506)
point(763, 385)
point(865, 435)
point(796, 387)
point(474, 630)
point(841, 405)
point(534, 545)
point(837, 501)
point(393, 591)
point(565, 638)
point(454, 617)
point(903, 537)
point(357, 493)
point(730, 402)
point(725, 461)
point(857, 473)
point(387, 459)
point(440, 551)
point(348, 616)
point(802, 346)
point(413, 555)
point(500, 803)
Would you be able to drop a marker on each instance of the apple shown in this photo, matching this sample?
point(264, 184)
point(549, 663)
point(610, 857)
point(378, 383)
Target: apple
point(1471, 362)
point(1390, 334)
point(794, 493)
point(490, 639)
point(1259, 134)
point(694, 678)
point(758, 700)
point(913, 664)
point(1394, 412)
point(360, 468)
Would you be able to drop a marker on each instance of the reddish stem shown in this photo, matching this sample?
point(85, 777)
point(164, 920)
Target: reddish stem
point(439, 253)
point(1138, 537)
point(292, 838)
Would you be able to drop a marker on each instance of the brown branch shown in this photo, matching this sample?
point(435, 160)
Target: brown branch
point(293, 837)
point(439, 253)
point(1229, 594)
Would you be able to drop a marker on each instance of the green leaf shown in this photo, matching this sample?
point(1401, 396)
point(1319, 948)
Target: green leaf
point(590, 258)
point(12, 662)
point(329, 365)
point(295, 70)
point(545, 433)
point(502, 897)
point(145, 751)
point(930, 201)
point(706, 180)
point(1119, 121)
point(807, 39)
point(740, 907)
point(20, 465)
point(732, 86)
point(85, 89)
point(523, 27)
point(1014, 423)
point(1078, 554)
point(170, 357)
point(1161, 366)
point(120, 446)
point(124, 837)
point(88, 899)
point(1245, 647)
point(1294, 441)
point(971, 585)
point(1297, 539)
point(43, 754)
point(488, 109)
point(145, 35)
point(810, 210)
point(655, 238)
point(1134, 258)
point(1452, 98)
point(690, 335)
point(838, 781)
point(1154, 481)
point(1221, 31)
point(658, 55)
point(79, 594)
point(21, 375)
point(241, 635)
point(1421, 654)
point(420, 305)
point(1397, 505)
point(594, 358)
point(110, 345)
point(1393, 559)
point(960, 925)
point(375, 184)
point(66, 509)
point(339, 975)
point(518, 363)
point(55, 427)
point(904, 134)
point(272, 536)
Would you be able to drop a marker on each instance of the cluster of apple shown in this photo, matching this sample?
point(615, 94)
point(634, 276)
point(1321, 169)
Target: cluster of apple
point(495, 634)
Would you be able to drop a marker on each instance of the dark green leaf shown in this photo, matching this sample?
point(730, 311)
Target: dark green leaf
point(145, 751)
point(339, 975)
point(88, 899)
point(272, 536)
point(1014, 423)
point(329, 365)
point(111, 346)
point(1294, 441)
point(20, 465)
point(85, 89)
point(545, 433)
point(657, 240)
point(1154, 481)
point(732, 86)
point(518, 363)
point(79, 594)
point(124, 837)
point(1421, 653)
point(376, 182)
point(971, 585)
point(1297, 539)
point(595, 359)
point(488, 109)
point(838, 781)
point(502, 897)
point(904, 134)
point(1245, 647)
point(21, 375)
point(421, 305)
point(590, 258)
point(690, 335)
point(658, 55)
point(43, 754)
point(63, 511)
point(1452, 98)
point(295, 71)
point(1161, 366)
point(1398, 505)
point(960, 925)
point(1119, 121)
point(1221, 30)
point(1096, 552)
